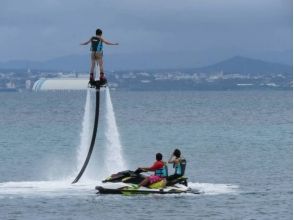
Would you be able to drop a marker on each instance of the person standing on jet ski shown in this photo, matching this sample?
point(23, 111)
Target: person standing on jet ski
point(179, 163)
point(159, 168)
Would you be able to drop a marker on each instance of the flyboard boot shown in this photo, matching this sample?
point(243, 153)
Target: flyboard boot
point(102, 82)
point(92, 81)
point(102, 79)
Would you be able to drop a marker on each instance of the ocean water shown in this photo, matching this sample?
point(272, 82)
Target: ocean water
point(238, 145)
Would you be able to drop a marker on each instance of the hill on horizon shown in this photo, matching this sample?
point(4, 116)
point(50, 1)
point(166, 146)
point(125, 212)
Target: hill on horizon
point(245, 65)
point(236, 64)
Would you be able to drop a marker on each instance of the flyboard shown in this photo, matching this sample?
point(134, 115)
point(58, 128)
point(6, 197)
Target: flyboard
point(97, 85)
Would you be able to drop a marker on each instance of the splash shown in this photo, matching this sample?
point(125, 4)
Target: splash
point(108, 157)
point(64, 188)
point(45, 189)
point(113, 159)
point(85, 135)
point(213, 188)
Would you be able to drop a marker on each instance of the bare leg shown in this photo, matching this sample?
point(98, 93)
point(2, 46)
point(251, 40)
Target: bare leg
point(93, 63)
point(145, 182)
point(92, 66)
point(100, 62)
point(164, 183)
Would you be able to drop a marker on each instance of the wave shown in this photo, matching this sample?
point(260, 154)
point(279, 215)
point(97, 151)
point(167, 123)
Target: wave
point(213, 188)
point(45, 188)
point(64, 188)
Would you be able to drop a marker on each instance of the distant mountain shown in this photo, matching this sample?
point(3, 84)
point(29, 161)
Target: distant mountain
point(244, 65)
point(237, 64)
point(19, 64)
point(65, 63)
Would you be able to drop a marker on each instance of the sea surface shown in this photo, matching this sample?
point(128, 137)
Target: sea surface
point(238, 145)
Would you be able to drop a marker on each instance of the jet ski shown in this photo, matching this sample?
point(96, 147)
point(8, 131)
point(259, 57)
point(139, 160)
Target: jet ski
point(126, 183)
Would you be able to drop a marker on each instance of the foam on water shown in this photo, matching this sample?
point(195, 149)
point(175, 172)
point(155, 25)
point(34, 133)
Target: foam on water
point(64, 188)
point(45, 188)
point(214, 189)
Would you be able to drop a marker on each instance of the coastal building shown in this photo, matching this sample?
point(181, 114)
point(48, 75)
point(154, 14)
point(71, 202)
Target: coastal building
point(45, 84)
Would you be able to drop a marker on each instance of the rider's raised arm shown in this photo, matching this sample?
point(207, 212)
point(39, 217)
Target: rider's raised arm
point(107, 42)
point(87, 42)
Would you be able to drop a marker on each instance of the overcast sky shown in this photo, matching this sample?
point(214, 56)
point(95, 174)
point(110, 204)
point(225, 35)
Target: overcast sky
point(203, 29)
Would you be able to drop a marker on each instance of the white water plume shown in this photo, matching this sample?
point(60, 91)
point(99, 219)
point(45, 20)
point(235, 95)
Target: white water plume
point(107, 158)
point(86, 133)
point(113, 159)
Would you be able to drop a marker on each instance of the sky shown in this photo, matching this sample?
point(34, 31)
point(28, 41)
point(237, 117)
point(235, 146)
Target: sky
point(179, 33)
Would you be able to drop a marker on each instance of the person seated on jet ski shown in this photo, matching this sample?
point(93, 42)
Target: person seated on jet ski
point(159, 168)
point(179, 163)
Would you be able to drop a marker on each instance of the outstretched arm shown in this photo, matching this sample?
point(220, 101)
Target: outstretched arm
point(87, 42)
point(107, 42)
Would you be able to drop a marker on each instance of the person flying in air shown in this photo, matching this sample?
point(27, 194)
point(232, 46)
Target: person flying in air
point(97, 55)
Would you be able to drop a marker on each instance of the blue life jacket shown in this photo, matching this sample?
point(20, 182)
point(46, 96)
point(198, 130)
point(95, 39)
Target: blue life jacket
point(96, 44)
point(162, 172)
point(180, 167)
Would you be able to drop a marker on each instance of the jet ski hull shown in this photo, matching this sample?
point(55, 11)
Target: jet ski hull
point(126, 183)
point(102, 190)
point(128, 189)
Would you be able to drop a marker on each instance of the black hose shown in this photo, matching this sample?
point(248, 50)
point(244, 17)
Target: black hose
point(93, 136)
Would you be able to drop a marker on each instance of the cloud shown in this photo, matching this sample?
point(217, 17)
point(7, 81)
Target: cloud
point(51, 28)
